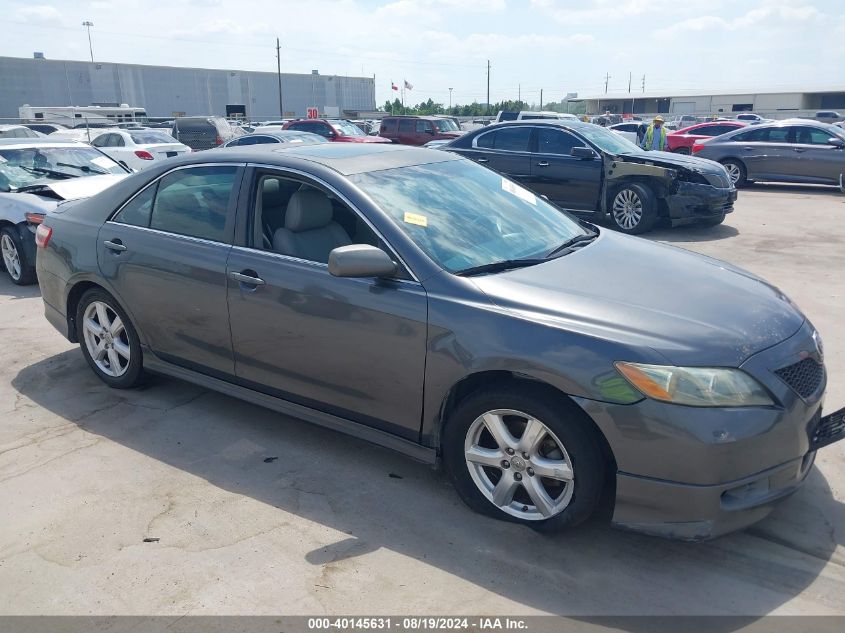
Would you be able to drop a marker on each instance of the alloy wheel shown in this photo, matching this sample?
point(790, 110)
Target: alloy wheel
point(519, 464)
point(734, 172)
point(627, 209)
point(11, 258)
point(106, 339)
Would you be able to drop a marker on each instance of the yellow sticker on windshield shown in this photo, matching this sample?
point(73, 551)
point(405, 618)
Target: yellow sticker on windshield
point(519, 192)
point(416, 218)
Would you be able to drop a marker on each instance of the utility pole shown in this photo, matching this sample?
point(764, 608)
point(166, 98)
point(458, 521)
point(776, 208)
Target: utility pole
point(88, 26)
point(450, 99)
point(519, 93)
point(279, 74)
point(488, 87)
point(629, 82)
point(606, 81)
point(541, 98)
point(643, 83)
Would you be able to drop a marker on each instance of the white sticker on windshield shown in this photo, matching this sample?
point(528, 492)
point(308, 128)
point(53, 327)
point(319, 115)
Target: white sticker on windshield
point(103, 161)
point(519, 192)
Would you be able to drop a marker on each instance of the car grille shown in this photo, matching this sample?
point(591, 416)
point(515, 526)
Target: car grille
point(804, 377)
point(829, 429)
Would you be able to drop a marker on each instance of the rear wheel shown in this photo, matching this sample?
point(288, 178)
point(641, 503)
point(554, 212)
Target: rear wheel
point(108, 340)
point(633, 208)
point(736, 171)
point(20, 269)
point(519, 455)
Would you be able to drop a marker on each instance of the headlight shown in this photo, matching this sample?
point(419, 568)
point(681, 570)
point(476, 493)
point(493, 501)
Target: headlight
point(696, 386)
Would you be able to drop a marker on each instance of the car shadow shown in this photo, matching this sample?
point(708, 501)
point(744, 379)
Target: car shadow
point(13, 291)
point(691, 233)
point(378, 499)
point(782, 187)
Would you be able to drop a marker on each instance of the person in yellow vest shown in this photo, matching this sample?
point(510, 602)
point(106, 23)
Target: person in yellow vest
point(655, 136)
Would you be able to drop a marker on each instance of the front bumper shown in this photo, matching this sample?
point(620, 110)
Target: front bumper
point(695, 473)
point(693, 202)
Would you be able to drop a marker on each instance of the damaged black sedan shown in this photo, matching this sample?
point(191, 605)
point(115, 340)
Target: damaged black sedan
point(598, 174)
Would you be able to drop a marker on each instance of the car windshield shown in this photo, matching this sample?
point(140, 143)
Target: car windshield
point(606, 140)
point(151, 138)
point(346, 128)
point(32, 165)
point(463, 215)
point(446, 125)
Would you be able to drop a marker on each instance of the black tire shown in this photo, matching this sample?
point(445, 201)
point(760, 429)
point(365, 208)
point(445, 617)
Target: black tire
point(563, 418)
point(713, 221)
point(682, 150)
point(26, 276)
point(742, 179)
point(133, 376)
point(648, 202)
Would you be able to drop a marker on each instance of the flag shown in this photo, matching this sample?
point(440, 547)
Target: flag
point(393, 86)
point(408, 86)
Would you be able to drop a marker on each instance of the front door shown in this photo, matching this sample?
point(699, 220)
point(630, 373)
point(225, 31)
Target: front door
point(567, 181)
point(816, 159)
point(164, 253)
point(350, 347)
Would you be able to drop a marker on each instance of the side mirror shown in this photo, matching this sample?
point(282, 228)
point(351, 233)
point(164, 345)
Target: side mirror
point(836, 142)
point(360, 260)
point(583, 153)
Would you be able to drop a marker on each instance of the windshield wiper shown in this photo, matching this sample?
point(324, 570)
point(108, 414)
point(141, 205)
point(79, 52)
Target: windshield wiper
point(494, 267)
point(578, 239)
point(84, 168)
point(49, 172)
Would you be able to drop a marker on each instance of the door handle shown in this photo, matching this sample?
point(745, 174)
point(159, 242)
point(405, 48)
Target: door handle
point(481, 160)
point(542, 163)
point(114, 245)
point(798, 150)
point(247, 280)
point(747, 149)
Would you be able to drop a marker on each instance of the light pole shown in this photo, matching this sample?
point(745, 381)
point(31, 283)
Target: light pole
point(88, 26)
point(450, 99)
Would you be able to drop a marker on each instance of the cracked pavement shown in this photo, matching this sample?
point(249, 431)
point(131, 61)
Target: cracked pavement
point(87, 473)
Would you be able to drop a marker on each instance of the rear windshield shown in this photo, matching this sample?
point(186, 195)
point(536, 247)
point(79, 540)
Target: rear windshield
point(508, 116)
point(149, 138)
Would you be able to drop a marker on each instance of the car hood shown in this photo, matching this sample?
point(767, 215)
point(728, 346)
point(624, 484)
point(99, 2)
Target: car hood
point(73, 188)
point(691, 309)
point(671, 160)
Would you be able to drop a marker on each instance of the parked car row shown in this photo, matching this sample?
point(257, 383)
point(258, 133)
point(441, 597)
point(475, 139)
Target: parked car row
point(418, 300)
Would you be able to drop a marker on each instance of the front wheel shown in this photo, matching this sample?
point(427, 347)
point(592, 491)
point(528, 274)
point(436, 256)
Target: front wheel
point(20, 269)
point(108, 340)
point(519, 455)
point(633, 208)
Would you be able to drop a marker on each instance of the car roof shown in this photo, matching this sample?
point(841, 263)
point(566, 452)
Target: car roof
point(344, 158)
point(23, 143)
point(9, 126)
point(417, 116)
point(573, 124)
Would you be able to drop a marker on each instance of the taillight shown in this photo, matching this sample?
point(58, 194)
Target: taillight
point(143, 154)
point(218, 141)
point(34, 218)
point(697, 147)
point(42, 236)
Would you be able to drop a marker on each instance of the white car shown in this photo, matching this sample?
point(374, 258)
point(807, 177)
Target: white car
point(524, 115)
point(139, 148)
point(627, 130)
point(18, 131)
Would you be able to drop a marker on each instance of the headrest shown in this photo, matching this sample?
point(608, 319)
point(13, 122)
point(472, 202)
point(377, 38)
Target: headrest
point(308, 209)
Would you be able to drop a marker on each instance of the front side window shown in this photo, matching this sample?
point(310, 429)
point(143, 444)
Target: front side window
point(195, 202)
point(463, 215)
point(551, 141)
point(811, 136)
point(423, 126)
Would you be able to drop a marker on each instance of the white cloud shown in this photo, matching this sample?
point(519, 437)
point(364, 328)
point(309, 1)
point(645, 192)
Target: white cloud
point(607, 10)
point(42, 12)
point(436, 10)
point(769, 15)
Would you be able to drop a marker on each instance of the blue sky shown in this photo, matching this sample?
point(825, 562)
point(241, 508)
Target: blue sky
point(559, 46)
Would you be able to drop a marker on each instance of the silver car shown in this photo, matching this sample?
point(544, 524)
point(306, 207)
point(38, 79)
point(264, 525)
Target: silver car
point(795, 150)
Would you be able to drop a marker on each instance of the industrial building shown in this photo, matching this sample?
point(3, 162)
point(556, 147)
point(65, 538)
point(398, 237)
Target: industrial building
point(166, 91)
point(775, 105)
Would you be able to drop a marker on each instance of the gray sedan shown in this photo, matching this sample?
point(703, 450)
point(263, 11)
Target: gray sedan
point(795, 150)
point(422, 302)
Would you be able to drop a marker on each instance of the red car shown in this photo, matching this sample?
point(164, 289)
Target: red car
point(681, 141)
point(334, 129)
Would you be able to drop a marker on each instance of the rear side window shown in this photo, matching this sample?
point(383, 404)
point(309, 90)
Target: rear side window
point(138, 210)
point(513, 139)
point(194, 202)
point(388, 126)
point(763, 135)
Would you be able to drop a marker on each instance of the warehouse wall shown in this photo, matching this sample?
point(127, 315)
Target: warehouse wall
point(164, 90)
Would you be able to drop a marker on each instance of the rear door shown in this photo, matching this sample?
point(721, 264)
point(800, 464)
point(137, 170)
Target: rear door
point(350, 347)
point(816, 160)
point(406, 131)
point(505, 150)
point(569, 182)
point(164, 253)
